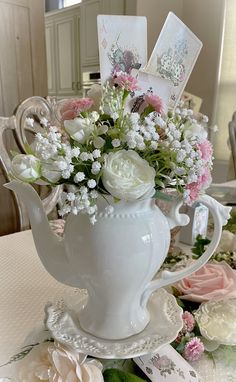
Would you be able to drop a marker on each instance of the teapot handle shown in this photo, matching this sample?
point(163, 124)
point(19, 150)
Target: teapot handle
point(220, 215)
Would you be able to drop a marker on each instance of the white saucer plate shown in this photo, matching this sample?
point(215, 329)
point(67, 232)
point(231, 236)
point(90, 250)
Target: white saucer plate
point(164, 326)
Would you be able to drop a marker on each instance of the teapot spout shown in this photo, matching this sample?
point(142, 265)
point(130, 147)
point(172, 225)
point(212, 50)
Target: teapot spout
point(49, 246)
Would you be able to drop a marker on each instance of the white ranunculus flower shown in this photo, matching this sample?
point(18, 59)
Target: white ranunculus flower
point(26, 167)
point(127, 176)
point(54, 362)
point(79, 128)
point(194, 130)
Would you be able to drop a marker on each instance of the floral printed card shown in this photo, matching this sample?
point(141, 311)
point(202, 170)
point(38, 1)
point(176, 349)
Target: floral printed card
point(122, 44)
point(167, 365)
point(174, 55)
point(148, 84)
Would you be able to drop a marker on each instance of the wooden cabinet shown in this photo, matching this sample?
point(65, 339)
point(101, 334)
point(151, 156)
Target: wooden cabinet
point(23, 71)
point(88, 33)
point(88, 37)
point(63, 52)
point(72, 43)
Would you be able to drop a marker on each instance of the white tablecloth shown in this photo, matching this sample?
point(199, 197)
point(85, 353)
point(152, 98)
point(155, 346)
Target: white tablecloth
point(25, 288)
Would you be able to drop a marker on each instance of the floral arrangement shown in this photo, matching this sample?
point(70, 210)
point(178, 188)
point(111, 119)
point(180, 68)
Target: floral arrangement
point(205, 296)
point(103, 149)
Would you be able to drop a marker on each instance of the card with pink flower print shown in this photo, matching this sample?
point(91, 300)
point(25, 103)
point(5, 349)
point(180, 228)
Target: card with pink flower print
point(174, 55)
point(149, 85)
point(167, 365)
point(122, 44)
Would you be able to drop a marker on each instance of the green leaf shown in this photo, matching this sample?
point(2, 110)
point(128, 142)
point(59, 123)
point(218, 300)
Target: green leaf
point(163, 196)
point(28, 149)
point(199, 246)
point(116, 375)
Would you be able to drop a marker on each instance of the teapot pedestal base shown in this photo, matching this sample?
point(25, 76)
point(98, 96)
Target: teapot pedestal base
point(62, 320)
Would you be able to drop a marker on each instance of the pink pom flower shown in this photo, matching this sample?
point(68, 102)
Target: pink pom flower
point(74, 107)
point(206, 150)
point(195, 188)
point(156, 102)
point(126, 81)
point(193, 349)
point(189, 322)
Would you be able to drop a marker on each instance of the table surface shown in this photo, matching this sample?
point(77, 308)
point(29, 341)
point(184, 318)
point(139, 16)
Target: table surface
point(25, 288)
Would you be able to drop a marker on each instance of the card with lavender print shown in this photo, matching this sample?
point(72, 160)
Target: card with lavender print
point(174, 55)
point(122, 44)
point(151, 85)
point(167, 365)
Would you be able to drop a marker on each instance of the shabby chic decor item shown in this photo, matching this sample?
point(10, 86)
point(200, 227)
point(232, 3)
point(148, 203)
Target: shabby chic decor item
point(113, 164)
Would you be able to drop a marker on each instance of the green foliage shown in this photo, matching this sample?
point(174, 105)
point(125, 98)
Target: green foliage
point(231, 224)
point(199, 246)
point(116, 375)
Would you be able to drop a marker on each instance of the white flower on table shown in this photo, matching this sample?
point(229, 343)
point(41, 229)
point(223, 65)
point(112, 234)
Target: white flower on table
point(127, 176)
point(54, 362)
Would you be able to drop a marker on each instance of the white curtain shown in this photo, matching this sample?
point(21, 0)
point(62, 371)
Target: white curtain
point(226, 100)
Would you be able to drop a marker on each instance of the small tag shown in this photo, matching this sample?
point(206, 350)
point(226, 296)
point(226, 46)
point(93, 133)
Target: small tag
point(167, 365)
point(197, 226)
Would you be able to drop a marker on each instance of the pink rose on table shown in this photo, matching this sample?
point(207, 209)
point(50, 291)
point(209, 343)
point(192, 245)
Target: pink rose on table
point(214, 281)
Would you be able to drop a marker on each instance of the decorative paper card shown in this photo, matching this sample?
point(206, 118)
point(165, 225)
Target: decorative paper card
point(191, 101)
point(148, 83)
point(122, 43)
point(167, 365)
point(174, 55)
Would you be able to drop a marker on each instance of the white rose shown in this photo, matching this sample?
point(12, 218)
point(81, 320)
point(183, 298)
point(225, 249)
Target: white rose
point(79, 128)
point(127, 176)
point(54, 362)
point(194, 130)
point(26, 167)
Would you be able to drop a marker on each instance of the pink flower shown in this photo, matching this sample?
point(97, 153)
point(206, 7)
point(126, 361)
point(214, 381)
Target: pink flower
point(156, 102)
point(162, 362)
point(195, 188)
point(126, 81)
point(193, 349)
point(189, 322)
point(72, 108)
point(206, 150)
point(205, 179)
point(213, 281)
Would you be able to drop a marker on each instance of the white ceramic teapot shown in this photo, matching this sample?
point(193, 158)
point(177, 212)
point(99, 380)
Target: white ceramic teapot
point(115, 259)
